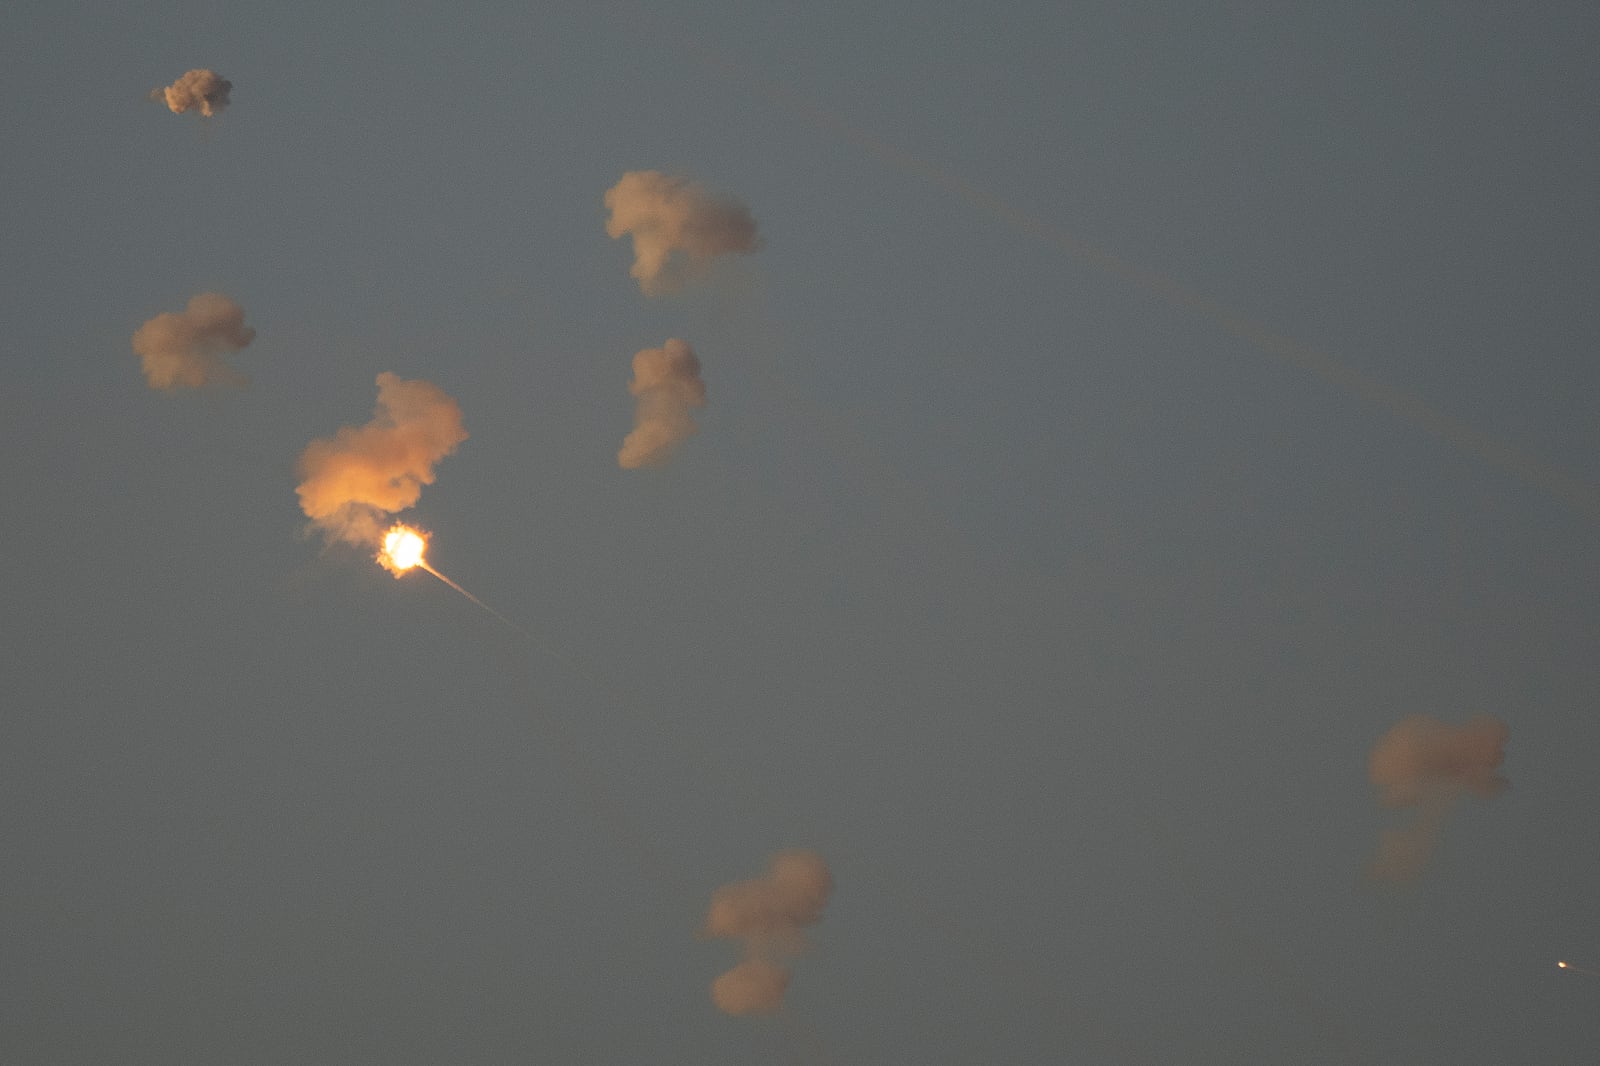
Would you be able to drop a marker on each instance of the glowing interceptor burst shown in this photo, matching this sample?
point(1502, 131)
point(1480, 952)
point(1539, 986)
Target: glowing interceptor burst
point(402, 549)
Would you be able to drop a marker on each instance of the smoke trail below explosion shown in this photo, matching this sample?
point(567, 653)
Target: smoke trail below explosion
point(403, 550)
point(801, 891)
point(541, 644)
point(424, 565)
point(1021, 982)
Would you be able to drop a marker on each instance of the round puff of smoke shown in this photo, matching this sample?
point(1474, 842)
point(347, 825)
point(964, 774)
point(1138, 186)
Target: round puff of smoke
point(203, 89)
point(352, 481)
point(666, 381)
point(755, 986)
point(183, 349)
point(1423, 764)
point(769, 914)
point(677, 226)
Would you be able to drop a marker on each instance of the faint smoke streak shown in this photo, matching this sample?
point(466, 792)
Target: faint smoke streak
point(770, 915)
point(184, 349)
point(666, 382)
point(677, 226)
point(1424, 765)
point(352, 481)
point(203, 89)
point(1533, 470)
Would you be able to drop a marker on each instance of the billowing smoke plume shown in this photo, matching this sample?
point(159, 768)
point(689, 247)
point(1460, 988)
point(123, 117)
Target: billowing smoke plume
point(769, 914)
point(667, 382)
point(203, 89)
point(678, 227)
point(184, 349)
point(352, 481)
point(1427, 766)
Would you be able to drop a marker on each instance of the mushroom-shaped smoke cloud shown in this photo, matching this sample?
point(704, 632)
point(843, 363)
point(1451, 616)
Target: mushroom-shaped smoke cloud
point(1425, 765)
point(677, 226)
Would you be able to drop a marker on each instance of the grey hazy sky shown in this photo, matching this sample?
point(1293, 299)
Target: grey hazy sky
point(1059, 618)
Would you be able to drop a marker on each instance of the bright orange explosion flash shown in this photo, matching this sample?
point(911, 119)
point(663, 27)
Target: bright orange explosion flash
point(402, 549)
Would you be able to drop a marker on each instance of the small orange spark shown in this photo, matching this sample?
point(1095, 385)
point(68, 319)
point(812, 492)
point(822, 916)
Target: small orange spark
point(402, 549)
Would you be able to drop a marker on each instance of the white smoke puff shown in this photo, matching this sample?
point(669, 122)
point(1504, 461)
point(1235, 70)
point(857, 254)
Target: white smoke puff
point(1423, 764)
point(200, 88)
point(185, 348)
point(677, 226)
point(666, 382)
point(350, 482)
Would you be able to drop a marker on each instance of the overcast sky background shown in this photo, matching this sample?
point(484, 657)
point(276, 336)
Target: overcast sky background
point(1057, 618)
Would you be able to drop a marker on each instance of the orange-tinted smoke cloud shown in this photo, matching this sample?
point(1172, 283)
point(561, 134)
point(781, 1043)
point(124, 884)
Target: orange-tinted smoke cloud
point(203, 89)
point(677, 226)
point(666, 382)
point(755, 986)
point(351, 482)
point(769, 914)
point(1424, 765)
point(183, 349)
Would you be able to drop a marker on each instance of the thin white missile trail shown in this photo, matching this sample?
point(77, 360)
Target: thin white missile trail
point(1564, 965)
point(589, 778)
point(540, 643)
point(1019, 979)
point(424, 565)
point(405, 549)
